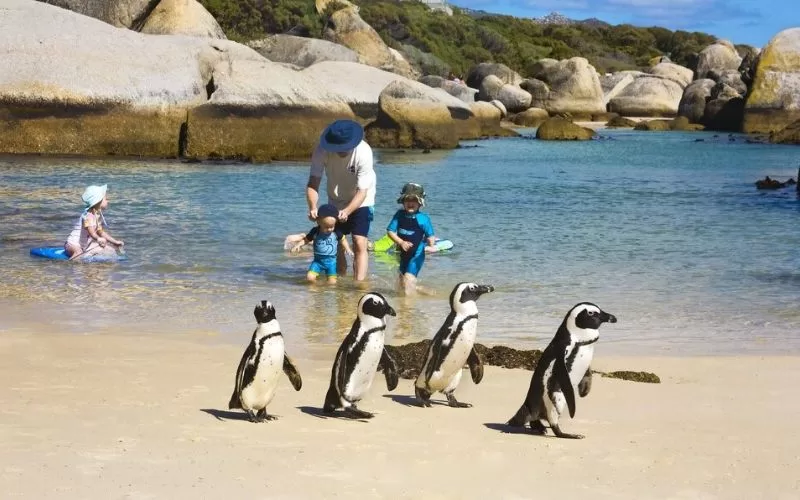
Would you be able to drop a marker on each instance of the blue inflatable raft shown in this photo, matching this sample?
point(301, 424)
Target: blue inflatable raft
point(58, 253)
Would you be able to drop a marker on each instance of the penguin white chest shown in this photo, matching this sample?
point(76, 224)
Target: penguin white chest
point(261, 390)
point(581, 363)
point(359, 380)
point(459, 348)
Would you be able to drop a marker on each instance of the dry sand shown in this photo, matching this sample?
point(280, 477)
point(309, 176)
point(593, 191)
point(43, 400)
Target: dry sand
point(130, 416)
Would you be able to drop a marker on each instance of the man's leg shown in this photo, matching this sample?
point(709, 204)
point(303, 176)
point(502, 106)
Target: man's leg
point(361, 258)
point(341, 262)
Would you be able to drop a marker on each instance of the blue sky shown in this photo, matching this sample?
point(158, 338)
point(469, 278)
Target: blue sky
point(752, 22)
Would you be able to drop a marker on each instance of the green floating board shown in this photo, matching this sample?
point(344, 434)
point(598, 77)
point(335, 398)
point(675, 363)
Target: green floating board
point(386, 245)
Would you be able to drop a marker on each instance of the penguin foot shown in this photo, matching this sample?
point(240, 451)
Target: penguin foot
point(253, 416)
point(559, 433)
point(423, 396)
point(354, 412)
point(453, 402)
point(537, 427)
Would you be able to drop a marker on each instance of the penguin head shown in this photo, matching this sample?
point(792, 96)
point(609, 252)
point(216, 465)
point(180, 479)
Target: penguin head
point(464, 293)
point(375, 305)
point(587, 316)
point(264, 312)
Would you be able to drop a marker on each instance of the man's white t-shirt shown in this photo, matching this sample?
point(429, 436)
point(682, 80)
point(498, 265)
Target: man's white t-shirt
point(346, 175)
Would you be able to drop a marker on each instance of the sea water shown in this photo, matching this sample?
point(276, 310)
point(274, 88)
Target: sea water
point(665, 230)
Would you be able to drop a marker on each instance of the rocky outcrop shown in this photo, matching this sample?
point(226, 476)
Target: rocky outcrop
point(774, 99)
point(648, 96)
point(500, 106)
point(620, 122)
point(346, 27)
point(574, 87)
point(538, 91)
point(182, 17)
point(513, 97)
point(69, 93)
point(485, 122)
point(693, 101)
point(719, 56)
point(788, 135)
point(560, 129)
point(532, 117)
point(731, 78)
point(121, 13)
point(653, 125)
point(412, 115)
point(476, 74)
point(724, 109)
point(455, 89)
point(678, 74)
point(612, 84)
point(301, 51)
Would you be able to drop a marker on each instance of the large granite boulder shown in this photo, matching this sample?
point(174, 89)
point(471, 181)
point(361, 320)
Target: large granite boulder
point(456, 89)
point(678, 74)
point(532, 117)
point(730, 77)
point(774, 99)
point(182, 17)
point(513, 97)
point(477, 73)
point(613, 83)
point(693, 101)
point(648, 96)
point(561, 129)
point(747, 69)
point(347, 28)
point(486, 122)
point(121, 13)
point(574, 87)
point(718, 56)
point(724, 109)
point(653, 125)
point(538, 91)
point(301, 51)
point(620, 122)
point(71, 84)
point(413, 115)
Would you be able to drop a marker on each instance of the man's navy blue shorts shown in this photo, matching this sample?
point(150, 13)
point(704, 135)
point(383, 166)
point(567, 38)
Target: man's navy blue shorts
point(357, 223)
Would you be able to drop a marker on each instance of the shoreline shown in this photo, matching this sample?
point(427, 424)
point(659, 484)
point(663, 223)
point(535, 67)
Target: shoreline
point(148, 419)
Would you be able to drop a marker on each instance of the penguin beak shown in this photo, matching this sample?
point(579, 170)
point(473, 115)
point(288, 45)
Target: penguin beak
point(484, 289)
point(391, 312)
point(609, 318)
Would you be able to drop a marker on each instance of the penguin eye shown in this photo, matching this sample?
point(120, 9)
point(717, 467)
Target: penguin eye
point(591, 313)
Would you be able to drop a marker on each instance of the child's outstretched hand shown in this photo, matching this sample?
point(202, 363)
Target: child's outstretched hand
point(102, 241)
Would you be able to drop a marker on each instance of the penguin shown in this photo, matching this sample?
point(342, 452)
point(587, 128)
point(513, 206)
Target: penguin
point(361, 354)
point(452, 346)
point(261, 364)
point(563, 366)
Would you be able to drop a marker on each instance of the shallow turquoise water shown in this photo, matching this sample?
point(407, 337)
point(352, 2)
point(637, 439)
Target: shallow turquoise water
point(667, 233)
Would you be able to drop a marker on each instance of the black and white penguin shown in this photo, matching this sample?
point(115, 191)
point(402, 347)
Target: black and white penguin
point(563, 367)
point(452, 346)
point(261, 365)
point(361, 354)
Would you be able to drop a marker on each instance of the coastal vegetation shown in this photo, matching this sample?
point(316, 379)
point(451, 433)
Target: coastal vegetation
point(439, 43)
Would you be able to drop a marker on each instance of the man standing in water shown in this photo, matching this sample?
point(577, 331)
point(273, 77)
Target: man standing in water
point(346, 160)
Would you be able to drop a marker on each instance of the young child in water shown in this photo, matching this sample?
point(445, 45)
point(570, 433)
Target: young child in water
point(410, 229)
point(326, 244)
point(88, 236)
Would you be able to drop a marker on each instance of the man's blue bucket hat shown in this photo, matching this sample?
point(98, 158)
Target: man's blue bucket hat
point(341, 136)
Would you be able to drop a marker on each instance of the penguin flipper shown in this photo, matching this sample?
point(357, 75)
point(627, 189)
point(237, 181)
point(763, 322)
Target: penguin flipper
point(389, 370)
point(475, 366)
point(585, 385)
point(234, 402)
point(562, 376)
point(291, 371)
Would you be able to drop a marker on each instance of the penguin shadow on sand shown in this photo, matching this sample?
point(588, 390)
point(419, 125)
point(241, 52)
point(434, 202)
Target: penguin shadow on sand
point(223, 415)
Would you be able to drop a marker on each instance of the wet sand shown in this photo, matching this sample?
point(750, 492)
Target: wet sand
point(135, 416)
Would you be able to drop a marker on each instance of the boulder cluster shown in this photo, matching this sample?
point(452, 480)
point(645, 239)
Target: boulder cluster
point(158, 78)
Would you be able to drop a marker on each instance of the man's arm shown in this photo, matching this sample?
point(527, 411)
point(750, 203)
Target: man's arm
point(312, 196)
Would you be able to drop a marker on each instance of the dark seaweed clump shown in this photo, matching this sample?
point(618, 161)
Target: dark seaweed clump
point(409, 359)
point(646, 377)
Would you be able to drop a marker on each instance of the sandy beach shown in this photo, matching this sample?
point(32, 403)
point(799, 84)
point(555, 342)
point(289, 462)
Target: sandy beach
point(133, 416)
